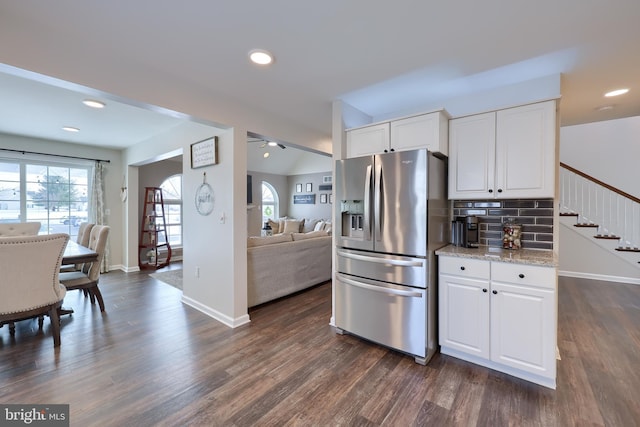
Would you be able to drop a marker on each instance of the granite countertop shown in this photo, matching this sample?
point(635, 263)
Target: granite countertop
point(518, 256)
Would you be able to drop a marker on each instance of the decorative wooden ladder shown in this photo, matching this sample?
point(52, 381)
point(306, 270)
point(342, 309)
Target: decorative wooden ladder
point(153, 247)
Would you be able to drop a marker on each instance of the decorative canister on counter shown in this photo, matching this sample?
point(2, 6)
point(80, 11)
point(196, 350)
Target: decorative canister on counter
point(512, 232)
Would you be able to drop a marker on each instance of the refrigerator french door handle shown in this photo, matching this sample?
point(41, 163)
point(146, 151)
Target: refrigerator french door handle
point(381, 289)
point(395, 262)
point(367, 205)
point(377, 201)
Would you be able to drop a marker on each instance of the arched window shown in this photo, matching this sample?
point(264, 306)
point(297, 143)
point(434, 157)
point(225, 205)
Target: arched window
point(270, 208)
point(172, 196)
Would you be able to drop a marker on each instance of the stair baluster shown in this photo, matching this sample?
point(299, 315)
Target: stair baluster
point(596, 204)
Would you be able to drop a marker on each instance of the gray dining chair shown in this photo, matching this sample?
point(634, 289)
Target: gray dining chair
point(89, 276)
point(30, 286)
point(84, 232)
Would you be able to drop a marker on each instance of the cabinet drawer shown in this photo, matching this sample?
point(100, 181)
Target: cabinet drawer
point(543, 277)
point(464, 267)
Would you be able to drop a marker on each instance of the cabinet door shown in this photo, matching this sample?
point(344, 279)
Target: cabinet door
point(523, 331)
point(464, 314)
point(428, 131)
point(368, 140)
point(525, 149)
point(472, 156)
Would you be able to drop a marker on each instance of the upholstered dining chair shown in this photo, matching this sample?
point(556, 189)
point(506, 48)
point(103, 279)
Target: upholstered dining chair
point(19, 229)
point(89, 276)
point(84, 232)
point(29, 283)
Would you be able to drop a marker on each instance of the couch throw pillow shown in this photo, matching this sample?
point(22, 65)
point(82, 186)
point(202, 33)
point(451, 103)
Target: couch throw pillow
point(310, 225)
point(293, 225)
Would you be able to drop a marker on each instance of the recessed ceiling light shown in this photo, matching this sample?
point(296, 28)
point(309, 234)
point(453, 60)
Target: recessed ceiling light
point(265, 155)
point(260, 57)
point(616, 92)
point(272, 143)
point(70, 129)
point(93, 103)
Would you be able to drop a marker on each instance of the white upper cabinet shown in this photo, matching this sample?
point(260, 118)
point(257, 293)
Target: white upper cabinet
point(506, 154)
point(428, 131)
point(472, 145)
point(368, 140)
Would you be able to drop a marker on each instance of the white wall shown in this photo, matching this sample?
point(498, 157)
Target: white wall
point(215, 261)
point(608, 151)
point(311, 211)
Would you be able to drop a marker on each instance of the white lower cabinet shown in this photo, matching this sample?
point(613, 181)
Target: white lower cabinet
point(500, 315)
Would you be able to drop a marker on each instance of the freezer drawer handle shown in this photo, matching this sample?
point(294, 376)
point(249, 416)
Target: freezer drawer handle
point(396, 262)
point(388, 291)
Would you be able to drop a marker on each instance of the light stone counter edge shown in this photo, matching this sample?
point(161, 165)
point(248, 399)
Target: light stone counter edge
point(487, 253)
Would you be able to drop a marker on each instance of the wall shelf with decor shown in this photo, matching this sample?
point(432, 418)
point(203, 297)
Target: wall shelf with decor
point(154, 250)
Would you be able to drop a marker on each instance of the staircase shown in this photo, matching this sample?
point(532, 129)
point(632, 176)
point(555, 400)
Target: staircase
point(608, 216)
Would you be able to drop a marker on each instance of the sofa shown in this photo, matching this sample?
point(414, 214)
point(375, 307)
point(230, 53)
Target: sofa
point(282, 264)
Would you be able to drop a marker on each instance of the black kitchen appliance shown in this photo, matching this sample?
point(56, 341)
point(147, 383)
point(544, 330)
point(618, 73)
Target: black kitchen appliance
point(464, 231)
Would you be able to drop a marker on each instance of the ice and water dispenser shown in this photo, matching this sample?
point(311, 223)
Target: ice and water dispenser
point(352, 213)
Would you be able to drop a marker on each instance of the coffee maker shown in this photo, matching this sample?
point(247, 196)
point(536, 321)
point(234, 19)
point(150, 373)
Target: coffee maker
point(464, 231)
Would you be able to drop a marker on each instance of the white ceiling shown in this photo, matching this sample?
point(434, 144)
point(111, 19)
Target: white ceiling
point(380, 57)
point(291, 160)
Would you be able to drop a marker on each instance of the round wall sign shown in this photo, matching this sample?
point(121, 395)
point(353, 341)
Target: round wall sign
point(204, 199)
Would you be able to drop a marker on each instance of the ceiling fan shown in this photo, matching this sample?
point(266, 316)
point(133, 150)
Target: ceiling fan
point(266, 143)
point(272, 144)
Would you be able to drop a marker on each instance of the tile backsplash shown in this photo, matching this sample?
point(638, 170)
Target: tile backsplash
point(535, 216)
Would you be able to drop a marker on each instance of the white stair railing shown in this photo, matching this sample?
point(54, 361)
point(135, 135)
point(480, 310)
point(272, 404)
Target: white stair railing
point(615, 212)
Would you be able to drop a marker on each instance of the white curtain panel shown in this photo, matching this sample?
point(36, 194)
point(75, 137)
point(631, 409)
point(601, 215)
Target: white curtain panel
point(96, 207)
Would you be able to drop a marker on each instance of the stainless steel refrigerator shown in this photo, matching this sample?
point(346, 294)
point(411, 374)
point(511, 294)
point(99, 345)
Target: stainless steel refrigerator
point(391, 215)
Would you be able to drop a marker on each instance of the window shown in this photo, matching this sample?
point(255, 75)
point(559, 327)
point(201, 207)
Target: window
point(56, 195)
point(172, 196)
point(270, 208)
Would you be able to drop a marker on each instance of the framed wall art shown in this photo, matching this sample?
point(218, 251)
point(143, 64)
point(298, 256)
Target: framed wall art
point(304, 199)
point(204, 153)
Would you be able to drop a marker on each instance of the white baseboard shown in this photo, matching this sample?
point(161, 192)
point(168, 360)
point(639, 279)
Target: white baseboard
point(129, 269)
point(220, 317)
point(606, 278)
point(124, 268)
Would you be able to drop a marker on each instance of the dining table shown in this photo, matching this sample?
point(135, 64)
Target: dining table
point(75, 253)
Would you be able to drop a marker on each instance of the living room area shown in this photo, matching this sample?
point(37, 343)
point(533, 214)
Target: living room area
point(285, 183)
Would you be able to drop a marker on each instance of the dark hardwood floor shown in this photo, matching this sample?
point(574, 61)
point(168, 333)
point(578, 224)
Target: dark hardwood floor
point(150, 360)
